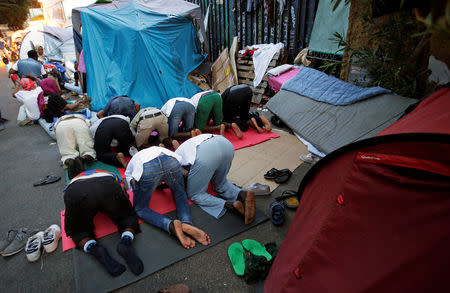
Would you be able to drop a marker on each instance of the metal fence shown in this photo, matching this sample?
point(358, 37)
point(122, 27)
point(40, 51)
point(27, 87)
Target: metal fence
point(258, 22)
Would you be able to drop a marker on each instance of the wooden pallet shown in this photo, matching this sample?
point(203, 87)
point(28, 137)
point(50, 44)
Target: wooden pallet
point(246, 74)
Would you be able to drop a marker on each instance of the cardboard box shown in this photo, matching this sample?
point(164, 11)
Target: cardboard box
point(222, 74)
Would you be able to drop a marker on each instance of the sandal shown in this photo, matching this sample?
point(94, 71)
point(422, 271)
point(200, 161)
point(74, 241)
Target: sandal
point(47, 180)
point(289, 199)
point(236, 254)
point(276, 211)
point(272, 174)
point(256, 248)
point(283, 176)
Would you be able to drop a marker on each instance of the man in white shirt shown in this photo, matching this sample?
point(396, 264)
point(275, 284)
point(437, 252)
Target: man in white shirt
point(27, 93)
point(180, 110)
point(144, 173)
point(209, 158)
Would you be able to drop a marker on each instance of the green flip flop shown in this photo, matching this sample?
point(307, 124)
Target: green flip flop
point(256, 248)
point(236, 255)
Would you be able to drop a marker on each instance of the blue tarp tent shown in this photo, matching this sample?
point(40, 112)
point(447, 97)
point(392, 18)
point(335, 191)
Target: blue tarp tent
point(143, 49)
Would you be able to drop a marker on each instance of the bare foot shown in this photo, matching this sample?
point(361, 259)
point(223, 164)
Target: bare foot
point(249, 205)
point(175, 144)
point(236, 130)
point(255, 125)
point(222, 129)
point(195, 232)
point(198, 131)
point(121, 158)
point(185, 241)
point(239, 207)
point(267, 124)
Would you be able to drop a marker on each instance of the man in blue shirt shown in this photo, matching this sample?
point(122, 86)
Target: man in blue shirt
point(121, 105)
point(29, 67)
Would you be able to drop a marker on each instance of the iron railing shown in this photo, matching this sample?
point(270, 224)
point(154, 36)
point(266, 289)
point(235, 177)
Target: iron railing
point(291, 24)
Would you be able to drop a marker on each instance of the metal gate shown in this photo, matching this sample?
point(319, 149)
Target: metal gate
point(258, 22)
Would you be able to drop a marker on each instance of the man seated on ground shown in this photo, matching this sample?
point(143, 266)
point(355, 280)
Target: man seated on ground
point(14, 77)
point(75, 142)
point(30, 65)
point(27, 93)
point(146, 170)
point(121, 105)
point(87, 194)
point(180, 110)
point(209, 106)
point(107, 129)
point(208, 158)
point(148, 120)
point(236, 107)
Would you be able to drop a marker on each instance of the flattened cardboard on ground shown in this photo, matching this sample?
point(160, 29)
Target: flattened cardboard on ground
point(222, 74)
point(251, 163)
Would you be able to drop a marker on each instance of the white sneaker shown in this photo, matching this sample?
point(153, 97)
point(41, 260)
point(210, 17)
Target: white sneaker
point(33, 248)
point(310, 158)
point(51, 237)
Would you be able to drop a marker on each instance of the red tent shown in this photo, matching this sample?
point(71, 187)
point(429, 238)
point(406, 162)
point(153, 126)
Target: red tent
point(374, 216)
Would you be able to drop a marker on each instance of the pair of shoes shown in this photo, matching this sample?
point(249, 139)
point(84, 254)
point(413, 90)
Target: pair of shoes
point(44, 240)
point(258, 189)
point(289, 198)
point(280, 176)
point(310, 158)
point(47, 180)
point(276, 211)
point(17, 243)
point(236, 253)
point(74, 166)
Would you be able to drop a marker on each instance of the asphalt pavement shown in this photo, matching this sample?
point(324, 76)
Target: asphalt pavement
point(28, 154)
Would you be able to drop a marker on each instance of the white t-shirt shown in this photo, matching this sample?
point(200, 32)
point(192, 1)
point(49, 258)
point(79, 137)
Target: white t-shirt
point(188, 149)
point(8, 67)
point(29, 99)
point(196, 98)
point(168, 106)
point(136, 165)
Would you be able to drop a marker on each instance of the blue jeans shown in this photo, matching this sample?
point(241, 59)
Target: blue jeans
point(162, 168)
point(212, 163)
point(181, 111)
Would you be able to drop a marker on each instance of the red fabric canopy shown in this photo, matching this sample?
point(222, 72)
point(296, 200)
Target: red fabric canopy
point(374, 216)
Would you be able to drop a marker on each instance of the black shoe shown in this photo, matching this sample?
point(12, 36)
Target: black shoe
point(71, 168)
point(79, 165)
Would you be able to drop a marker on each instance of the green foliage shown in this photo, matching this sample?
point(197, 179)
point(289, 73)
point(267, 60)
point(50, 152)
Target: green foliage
point(389, 64)
point(15, 12)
